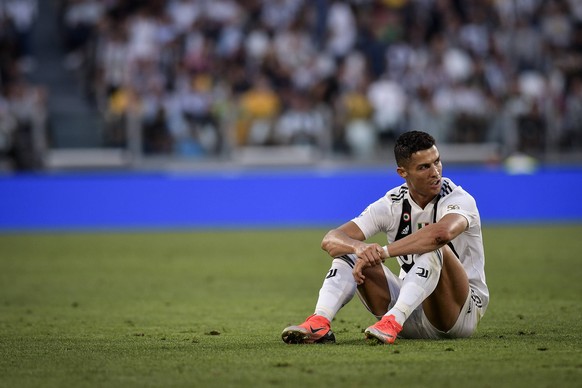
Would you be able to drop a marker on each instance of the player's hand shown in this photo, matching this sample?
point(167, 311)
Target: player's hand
point(357, 271)
point(369, 255)
point(372, 254)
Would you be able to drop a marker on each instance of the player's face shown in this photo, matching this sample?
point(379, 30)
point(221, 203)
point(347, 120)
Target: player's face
point(423, 175)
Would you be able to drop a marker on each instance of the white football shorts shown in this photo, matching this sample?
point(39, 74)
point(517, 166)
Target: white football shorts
point(418, 326)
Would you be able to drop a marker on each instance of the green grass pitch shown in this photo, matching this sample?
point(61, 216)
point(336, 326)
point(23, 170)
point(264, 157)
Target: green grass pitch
point(206, 309)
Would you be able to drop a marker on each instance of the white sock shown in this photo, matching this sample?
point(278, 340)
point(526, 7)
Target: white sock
point(418, 284)
point(339, 287)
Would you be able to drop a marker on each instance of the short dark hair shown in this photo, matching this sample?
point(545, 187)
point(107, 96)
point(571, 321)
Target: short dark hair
point(410, 142)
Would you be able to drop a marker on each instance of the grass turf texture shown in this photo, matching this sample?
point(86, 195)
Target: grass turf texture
point(203, 309)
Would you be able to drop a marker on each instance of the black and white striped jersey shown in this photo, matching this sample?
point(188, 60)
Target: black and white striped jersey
point(397, 215)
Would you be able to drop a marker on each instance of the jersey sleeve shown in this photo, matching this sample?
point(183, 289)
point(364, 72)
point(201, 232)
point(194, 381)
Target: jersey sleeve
point(459, 202)
point(375, 218)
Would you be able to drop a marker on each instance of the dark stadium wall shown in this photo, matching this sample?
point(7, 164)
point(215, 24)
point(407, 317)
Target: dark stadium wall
point(262, 199)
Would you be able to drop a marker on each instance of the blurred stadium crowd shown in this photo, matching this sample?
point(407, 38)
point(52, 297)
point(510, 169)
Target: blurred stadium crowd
point(204, 77)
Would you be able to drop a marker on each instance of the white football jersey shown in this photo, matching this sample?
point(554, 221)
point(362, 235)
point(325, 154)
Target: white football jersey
point(397, 215)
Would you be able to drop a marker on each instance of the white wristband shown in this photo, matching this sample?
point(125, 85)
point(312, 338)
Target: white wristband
point(385, 247)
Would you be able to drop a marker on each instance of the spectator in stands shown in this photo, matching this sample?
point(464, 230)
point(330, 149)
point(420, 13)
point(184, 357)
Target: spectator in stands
point(80, 20)
point(26, 104)
point(421, 113)
point(445, 61)
point(302, 123)
point(572, 133)
point(8, 125)
point(355, 118)
point(341, 29)
point(22, 13)
point(388, 101)
point(259, 108)
point(156, 135)
point(22, 103)
point(197, 103)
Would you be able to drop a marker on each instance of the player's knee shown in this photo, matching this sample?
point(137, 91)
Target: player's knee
point(346, 260)
point(431, 262)
point(373, 271)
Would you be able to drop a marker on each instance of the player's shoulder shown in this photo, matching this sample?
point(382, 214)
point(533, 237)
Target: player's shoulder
point(451, 191)
point(397, 194)
point(450, 188)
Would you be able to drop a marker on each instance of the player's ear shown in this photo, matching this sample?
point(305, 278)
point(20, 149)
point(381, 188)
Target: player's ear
point(402, 172)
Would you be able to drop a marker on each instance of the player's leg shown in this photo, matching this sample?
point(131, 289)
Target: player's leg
point(378, 293)
point(443, 305)
point(375, 292)
point(438, 282)
point(420, 281)
point(338, 288)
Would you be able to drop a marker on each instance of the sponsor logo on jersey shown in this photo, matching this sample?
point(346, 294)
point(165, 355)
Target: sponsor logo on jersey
point(405, 230)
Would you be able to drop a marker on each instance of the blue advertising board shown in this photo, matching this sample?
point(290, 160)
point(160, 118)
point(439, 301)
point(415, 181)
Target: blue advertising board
point(263, 199)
